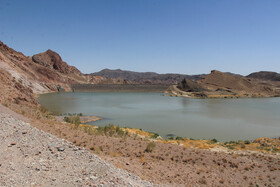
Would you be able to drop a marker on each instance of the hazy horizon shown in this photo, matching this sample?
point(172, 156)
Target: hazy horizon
point(162, 36)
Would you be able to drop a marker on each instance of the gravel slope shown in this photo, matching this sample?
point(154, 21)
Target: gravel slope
point(29, 157)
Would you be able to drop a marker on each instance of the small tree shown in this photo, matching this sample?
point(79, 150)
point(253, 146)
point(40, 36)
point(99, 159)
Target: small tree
point(184, 82)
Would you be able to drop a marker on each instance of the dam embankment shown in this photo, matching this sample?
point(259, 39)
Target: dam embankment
point(119, 87)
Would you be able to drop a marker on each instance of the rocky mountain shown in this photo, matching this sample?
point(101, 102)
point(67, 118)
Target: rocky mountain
point(52, 60)
point(265, 75)
point(145, 77)
point(43, 71)
point(219, 84)
point(22, 77)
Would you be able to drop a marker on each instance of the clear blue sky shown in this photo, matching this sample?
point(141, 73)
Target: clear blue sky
point(177, 36)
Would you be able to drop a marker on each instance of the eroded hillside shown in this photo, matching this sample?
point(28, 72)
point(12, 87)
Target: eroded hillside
point(218, 84)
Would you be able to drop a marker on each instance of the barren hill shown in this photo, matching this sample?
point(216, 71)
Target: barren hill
point(22, 77)
point(219, 84)
point(225, 80)
point(145, 77)
point(265, 75)
point(29, 156)
point(43, 72)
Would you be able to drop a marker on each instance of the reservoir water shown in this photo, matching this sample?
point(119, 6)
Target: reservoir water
point(223, 119)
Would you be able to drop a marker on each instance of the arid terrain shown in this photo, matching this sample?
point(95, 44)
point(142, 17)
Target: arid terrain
point(145, 77)
point(30, 157)
point(224, 85)
point(35, 154)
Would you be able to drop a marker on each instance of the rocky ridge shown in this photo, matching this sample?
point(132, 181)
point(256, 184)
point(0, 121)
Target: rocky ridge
point(224, 85)
point(265, 75)
point(43, 72)
point(145, 77)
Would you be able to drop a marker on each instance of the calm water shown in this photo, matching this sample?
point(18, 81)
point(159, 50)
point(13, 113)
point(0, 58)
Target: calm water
point(223, 119)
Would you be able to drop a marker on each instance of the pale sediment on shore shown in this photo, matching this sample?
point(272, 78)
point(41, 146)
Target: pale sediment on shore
point(83, 119)
point(30, 157)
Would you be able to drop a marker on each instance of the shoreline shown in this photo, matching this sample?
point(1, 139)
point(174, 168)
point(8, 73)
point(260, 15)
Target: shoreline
point(93, 118)
point(83, 119)
point(174, 91)
point(173, 158)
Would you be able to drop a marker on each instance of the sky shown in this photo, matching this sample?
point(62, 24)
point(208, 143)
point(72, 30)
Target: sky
point(164, 36)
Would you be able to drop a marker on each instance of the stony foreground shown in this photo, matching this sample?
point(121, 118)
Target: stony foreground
point(29, 157)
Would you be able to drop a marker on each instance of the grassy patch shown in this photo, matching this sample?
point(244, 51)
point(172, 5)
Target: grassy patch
point(73, 120)
point(111, 130)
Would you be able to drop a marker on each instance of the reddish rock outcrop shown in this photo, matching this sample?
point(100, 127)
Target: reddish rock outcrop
point(52, 60)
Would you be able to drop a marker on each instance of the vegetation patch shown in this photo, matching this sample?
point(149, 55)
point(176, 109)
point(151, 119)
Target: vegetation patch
point(180, 138)
point(150, 147)
point(214, 140)
point(154, 135)
point(73, 120)
point(111, 130)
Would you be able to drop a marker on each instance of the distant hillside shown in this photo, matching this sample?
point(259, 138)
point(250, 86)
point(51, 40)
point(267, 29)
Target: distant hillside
point(265, 75)
point(219, 84)
point(22, 76)
point(145, 77)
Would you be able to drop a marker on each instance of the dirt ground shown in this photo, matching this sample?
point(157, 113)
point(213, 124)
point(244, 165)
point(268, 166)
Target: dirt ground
point(173, 164)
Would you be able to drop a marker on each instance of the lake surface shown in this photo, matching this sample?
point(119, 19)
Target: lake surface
point(223, 119)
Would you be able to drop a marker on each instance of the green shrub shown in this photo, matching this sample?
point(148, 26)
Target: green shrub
point(247, 142)
point(155, 135)
point(214, 140)
point(150, 147)
point(179, 138)
point(230, 147)
point(73, 119)
point(243, 146)
point(89, 130)
point(111, 130)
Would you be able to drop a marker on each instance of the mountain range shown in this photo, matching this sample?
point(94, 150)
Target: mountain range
point(21, 76)
point(146, 77)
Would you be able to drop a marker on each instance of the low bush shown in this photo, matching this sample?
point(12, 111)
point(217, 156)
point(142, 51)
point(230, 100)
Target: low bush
point(73, 120)
point(111, 130)
point(230, 147)
point(179, 138)
point(247, 142)
point(90, 130)
point(214, 140)
point(5, 104)
point(150, 147)
point(43, 109)
point(155, 135)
